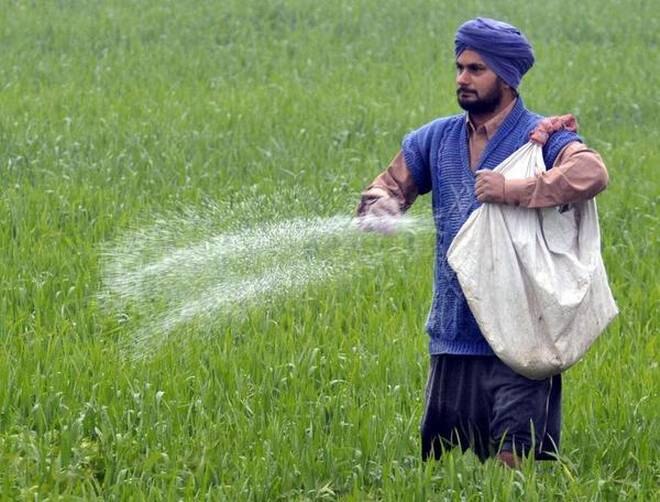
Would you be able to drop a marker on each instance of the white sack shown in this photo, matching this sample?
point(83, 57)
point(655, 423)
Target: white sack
point(534, 278)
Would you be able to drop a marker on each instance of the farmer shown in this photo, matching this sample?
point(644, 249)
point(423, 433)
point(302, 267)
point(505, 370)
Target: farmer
point(472, 399)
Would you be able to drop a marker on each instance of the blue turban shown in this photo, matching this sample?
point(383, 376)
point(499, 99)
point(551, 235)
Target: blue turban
point(503, 47)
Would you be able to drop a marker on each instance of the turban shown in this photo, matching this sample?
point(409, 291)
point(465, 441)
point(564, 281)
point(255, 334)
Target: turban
point(503, 47)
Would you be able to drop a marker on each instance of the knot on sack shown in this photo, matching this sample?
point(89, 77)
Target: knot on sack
point(550, 125)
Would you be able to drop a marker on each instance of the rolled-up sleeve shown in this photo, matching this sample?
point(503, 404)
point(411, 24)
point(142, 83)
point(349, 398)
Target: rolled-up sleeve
point(396, 181)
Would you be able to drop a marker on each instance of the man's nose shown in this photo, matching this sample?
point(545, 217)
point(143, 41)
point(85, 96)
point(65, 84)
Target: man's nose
point(462, 77)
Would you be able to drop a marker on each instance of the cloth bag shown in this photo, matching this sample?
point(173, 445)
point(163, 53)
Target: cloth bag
point(534, 278)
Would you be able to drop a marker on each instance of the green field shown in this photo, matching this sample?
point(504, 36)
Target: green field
point(115, 115)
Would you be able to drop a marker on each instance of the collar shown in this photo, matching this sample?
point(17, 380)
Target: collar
point(490, 127)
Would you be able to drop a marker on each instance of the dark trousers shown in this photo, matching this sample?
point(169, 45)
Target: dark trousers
point(478, 402)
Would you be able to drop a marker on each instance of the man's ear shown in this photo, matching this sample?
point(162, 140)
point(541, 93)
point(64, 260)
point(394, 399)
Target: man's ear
point(506, 88)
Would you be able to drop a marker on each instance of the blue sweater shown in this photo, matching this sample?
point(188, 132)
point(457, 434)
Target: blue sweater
point(437, 155)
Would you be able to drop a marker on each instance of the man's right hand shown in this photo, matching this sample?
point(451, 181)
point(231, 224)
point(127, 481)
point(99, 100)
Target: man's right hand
point(378, 211)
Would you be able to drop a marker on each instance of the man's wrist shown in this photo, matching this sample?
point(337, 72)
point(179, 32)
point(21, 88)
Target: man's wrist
point(518, 192)
point(375, 192)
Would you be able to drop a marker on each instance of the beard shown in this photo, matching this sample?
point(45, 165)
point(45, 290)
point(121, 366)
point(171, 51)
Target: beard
point(487, 103)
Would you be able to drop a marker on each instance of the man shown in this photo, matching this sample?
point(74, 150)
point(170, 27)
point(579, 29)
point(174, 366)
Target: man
point(473, 399)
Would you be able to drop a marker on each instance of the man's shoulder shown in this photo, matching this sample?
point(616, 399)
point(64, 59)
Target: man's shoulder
point(556, 141)
point(436, 128)
point(442, 122)
point(531, 118)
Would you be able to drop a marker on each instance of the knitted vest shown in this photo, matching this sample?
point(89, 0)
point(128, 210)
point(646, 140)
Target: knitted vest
point(437, 155)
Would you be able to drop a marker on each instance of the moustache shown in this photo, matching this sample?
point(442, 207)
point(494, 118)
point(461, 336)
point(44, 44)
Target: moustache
point(464, 90)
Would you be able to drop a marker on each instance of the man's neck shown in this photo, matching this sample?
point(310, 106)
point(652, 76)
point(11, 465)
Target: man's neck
point(478, 120)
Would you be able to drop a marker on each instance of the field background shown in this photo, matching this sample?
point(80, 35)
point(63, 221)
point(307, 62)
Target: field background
point(114, 112)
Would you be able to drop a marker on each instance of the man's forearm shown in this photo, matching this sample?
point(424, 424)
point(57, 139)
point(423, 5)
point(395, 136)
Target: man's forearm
point(578, 174)
point(396, 181)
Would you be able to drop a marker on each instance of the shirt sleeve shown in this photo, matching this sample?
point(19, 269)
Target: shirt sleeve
point(396, 181)
point(578, 174)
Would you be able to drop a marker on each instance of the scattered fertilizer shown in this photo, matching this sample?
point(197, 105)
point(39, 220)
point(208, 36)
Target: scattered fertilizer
point(181, 269)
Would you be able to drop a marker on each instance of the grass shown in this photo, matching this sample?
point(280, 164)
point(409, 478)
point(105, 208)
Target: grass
point(116, 112)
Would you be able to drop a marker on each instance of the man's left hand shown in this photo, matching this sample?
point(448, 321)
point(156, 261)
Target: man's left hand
point(489, 186)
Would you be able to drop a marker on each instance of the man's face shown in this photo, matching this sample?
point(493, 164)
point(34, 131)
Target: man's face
point(478, 88)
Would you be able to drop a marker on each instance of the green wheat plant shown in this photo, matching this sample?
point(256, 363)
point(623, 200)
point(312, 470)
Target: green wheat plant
point(161, 125)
